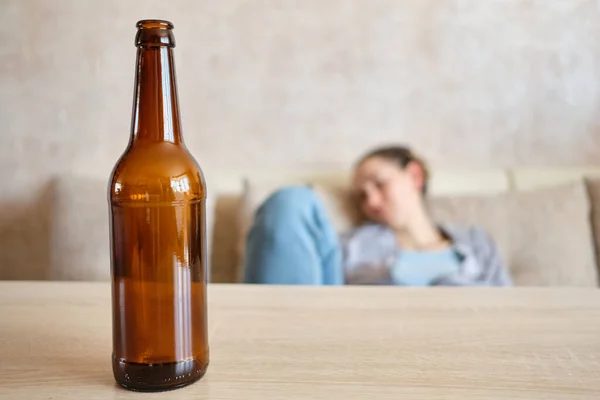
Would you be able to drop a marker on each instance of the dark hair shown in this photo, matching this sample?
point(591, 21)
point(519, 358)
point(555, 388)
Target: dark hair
point(402, 156)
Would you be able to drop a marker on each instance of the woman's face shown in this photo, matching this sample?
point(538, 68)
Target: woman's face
point(387, 193)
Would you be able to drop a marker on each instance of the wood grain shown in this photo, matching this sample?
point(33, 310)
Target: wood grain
point(321, 343)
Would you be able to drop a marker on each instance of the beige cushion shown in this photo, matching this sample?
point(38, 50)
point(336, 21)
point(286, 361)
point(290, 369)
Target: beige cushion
point(79, 230)
point(24, 235)
point(551, 237)
point(544, 235)
point(225, 257)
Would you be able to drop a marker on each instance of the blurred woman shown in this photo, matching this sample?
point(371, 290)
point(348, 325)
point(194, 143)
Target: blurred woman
point(293, 242)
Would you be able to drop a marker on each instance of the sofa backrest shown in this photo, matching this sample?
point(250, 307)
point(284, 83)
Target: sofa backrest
point(70, 241)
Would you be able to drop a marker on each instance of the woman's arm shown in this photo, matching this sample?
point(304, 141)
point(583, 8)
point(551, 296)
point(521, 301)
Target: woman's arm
point(493, 269)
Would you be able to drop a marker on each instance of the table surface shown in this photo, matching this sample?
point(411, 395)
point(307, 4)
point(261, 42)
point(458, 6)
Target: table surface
point(271, 342)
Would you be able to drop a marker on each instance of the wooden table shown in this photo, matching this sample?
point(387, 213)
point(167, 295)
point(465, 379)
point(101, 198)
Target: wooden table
point(321, 343)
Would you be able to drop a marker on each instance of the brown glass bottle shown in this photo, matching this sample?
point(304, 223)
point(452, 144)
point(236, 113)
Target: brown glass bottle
point(157, 224)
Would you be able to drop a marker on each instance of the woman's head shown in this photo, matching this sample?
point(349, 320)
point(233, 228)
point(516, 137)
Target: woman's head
point(390, 183)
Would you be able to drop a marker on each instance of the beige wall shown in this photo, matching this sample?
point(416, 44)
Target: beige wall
point(469, 83)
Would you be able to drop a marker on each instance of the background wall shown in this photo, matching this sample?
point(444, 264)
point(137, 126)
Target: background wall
point(467, 82)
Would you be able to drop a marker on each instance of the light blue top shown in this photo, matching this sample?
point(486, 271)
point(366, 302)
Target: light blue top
point(420, 268)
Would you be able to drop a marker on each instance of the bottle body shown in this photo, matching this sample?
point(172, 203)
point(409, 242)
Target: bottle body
point(157, 197)
point(158, 269)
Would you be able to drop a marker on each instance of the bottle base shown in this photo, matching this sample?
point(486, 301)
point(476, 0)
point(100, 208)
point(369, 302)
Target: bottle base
point(157, 377)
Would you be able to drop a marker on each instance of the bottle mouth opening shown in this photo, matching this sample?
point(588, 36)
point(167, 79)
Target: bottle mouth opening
point(154, 33)
point(154, 24)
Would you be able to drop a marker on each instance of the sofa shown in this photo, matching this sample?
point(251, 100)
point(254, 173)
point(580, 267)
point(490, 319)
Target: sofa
point(544, 221)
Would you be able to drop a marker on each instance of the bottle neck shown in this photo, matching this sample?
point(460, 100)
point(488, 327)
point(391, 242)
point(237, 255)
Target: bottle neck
point(155, 104)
